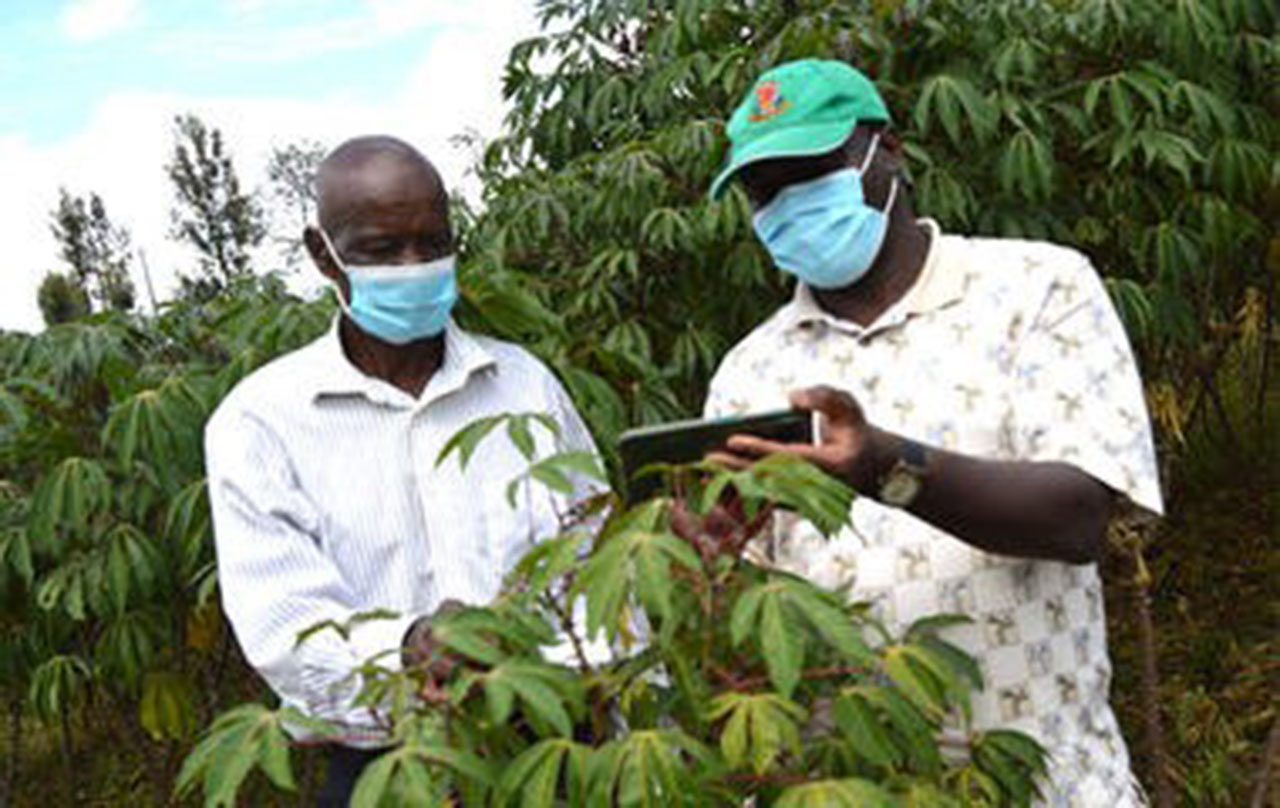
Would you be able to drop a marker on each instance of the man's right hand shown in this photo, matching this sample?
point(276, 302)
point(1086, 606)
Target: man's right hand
point(421, 650)
point(850, 448)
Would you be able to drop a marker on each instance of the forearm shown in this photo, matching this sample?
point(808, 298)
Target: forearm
point(1025, 509)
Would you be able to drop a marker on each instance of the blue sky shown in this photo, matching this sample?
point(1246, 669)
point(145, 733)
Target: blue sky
point(54, 72)
point(88, 89)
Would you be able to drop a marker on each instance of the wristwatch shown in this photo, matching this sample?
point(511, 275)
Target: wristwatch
point(902, 483)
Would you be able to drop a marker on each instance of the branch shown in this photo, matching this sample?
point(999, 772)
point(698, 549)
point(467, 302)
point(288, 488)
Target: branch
point(566, 625)
point(1263, 779)
point(808, 674)
point(781, 778)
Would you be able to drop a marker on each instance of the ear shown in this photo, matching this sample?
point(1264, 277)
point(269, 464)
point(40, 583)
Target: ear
point(892, 146)
point(320, 255)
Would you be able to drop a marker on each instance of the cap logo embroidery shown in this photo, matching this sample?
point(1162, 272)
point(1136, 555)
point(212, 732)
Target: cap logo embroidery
point(769, 102)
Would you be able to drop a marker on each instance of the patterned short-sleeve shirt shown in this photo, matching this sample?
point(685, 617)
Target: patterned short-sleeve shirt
point(1003, 349)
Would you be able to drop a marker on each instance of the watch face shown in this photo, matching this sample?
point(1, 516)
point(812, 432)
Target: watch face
point(900, 489)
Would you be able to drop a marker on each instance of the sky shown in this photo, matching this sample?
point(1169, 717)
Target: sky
point(89, 90)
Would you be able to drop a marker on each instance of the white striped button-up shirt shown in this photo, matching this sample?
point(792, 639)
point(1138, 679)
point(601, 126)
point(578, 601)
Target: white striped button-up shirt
point(327, 502)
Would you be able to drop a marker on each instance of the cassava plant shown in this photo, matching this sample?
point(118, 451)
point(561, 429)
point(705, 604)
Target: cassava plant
point(639, 657)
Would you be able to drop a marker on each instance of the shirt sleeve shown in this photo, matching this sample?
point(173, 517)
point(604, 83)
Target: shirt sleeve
point(276, 581)
point(723, 395)
point(1076, 395)
point(717, 403)
point(574, 434)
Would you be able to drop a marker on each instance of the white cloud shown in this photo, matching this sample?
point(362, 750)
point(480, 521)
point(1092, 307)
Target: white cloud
point(122, 150)
point(86, 20)
point(366, 25)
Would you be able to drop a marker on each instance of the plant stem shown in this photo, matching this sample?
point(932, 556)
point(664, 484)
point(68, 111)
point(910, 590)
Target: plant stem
point(566, 625)
point(1263, 779)
point(15, 750)
point(64, 738)
point(808, 674)
point(1150, 675)
point(1264, 370)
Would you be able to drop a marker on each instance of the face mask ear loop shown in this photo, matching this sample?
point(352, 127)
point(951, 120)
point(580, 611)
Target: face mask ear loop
point(337, 290)
point(871, 153)
point(893, 194)
point(866, 163)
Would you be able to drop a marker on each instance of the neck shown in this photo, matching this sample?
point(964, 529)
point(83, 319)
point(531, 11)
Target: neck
point(408, 367)
point(896, 268)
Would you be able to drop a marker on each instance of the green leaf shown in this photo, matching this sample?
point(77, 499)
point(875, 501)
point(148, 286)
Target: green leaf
point(908, 721)
point(66, 500)
point(758, 729)
point(57, 684)
point(168, 706)
point(743, 617)
point(500, 698)
point(862, 729)
point(372, 786)
point(274, 758)
point(547, 694)
point(239, 740)
point(830, 622)
point(537, 773)
point(945, 99)
point(465, 441)
point(918, 684)
point(15, 552)
point(847, 793)
point(782, 645)
point(550, 475)
point(521, 436)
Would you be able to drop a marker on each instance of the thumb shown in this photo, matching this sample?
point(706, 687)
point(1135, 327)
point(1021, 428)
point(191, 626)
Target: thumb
point(839, 408)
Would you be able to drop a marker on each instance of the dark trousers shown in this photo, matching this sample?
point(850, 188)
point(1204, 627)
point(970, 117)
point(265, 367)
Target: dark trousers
point(345, 767)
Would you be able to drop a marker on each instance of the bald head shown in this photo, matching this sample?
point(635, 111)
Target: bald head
point(381, 202)
point(375, 170)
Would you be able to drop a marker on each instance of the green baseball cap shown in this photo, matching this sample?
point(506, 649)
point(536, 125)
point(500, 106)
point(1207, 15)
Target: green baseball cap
point(799, 109)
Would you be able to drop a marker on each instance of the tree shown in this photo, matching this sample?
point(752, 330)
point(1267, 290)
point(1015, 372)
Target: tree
point(729, 683)
point(292, 174)
point(212, 213)
point(106, 562)
point(1142, 133)
point(97, 250)
point(62, 299)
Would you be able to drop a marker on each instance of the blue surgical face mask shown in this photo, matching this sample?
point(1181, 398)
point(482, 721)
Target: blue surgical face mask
point(398, 303)
point(823, 231)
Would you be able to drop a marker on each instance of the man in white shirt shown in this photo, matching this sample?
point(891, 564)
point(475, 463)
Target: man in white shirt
point(979, 393)
point(326, 496)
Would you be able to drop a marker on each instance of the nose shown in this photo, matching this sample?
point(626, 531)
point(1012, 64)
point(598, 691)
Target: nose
point(412, 253)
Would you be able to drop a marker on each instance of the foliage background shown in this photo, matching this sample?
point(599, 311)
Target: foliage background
point(1143, 132)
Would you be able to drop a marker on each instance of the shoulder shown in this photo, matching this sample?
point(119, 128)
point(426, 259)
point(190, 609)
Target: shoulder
point(765, 339)
point(518, 370)
point(511, 358)
point(280, 386)
point(1015, 274)
point(1025, 260)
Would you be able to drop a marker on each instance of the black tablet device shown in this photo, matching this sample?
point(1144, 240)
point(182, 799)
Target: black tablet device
point(689, 441)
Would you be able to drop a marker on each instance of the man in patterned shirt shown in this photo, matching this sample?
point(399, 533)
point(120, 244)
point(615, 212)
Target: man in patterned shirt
point(980, 394)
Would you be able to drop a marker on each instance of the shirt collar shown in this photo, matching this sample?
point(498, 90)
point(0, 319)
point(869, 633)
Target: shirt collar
point(336, 376)
point(938, 286)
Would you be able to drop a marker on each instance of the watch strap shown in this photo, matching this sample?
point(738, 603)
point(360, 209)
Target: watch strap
point(913, 455)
